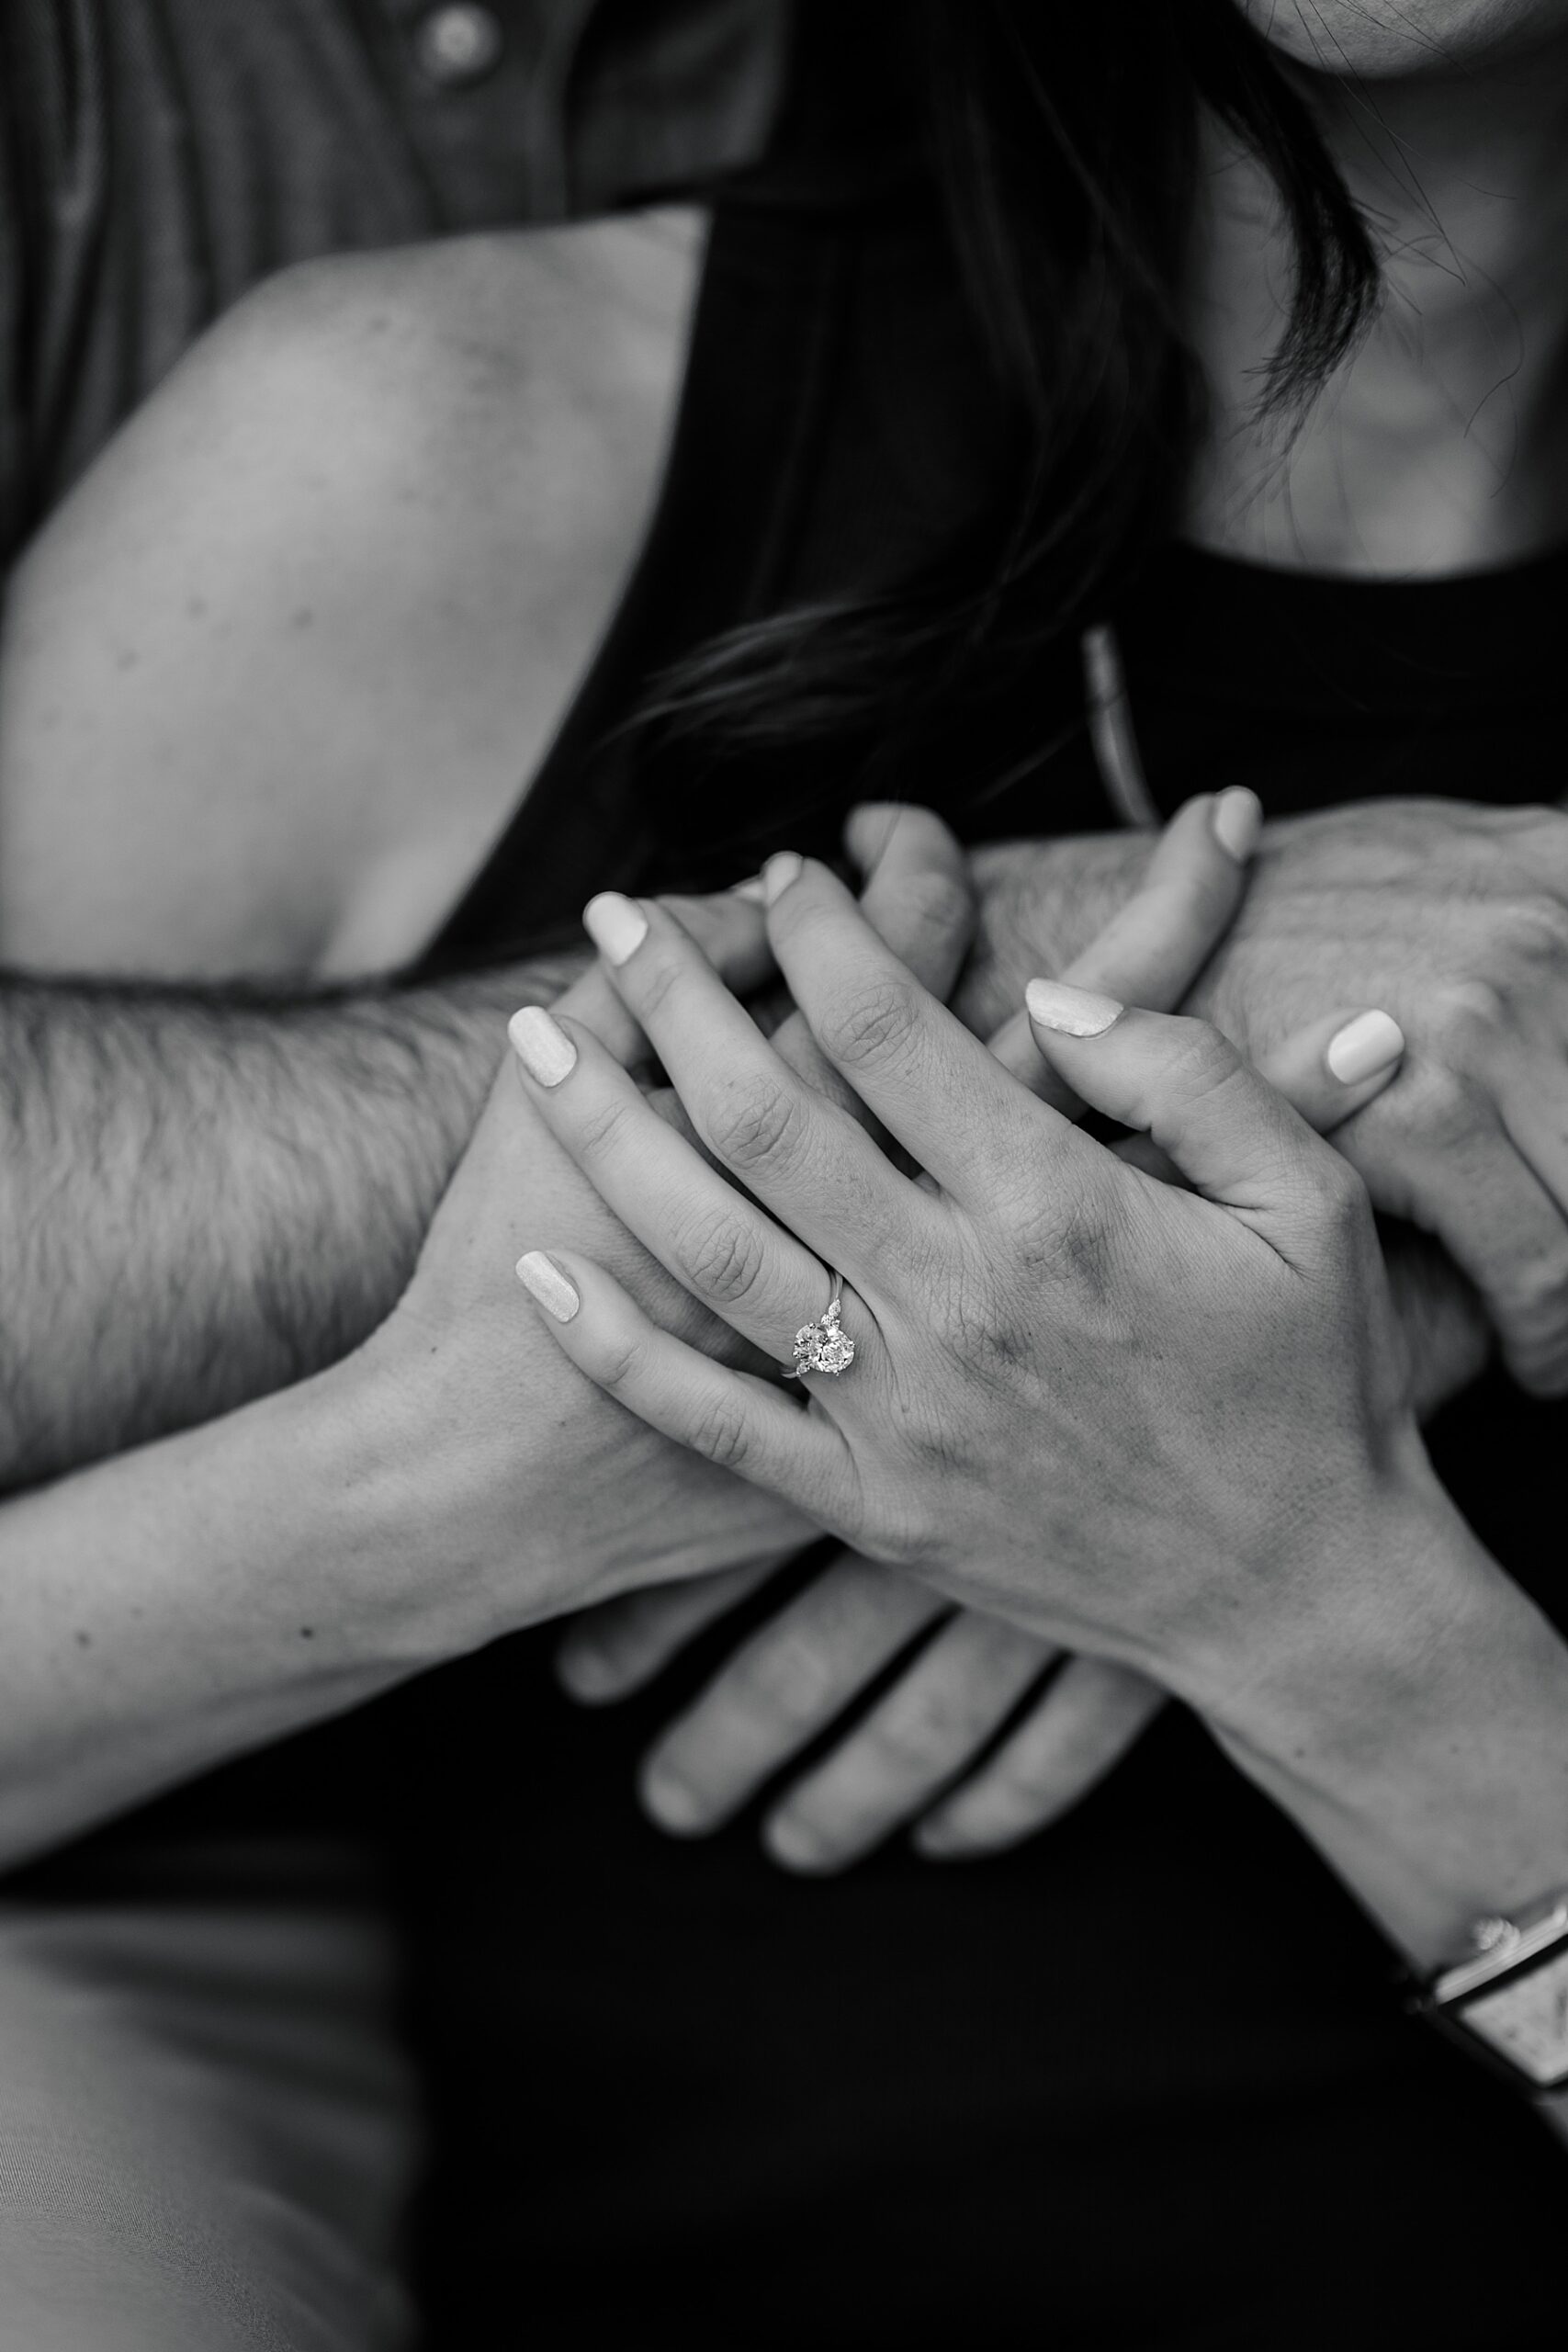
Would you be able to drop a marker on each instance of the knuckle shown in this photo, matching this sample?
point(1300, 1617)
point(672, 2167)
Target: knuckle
point(618, 1365)
point(658, 973)
point(1199, 1060)
point(1534, 1299)
point(720, 1255)
point(940, 1716)
point(1342, 1204)
point(787, 1678)
point(756, 1123)
point(1538, 931)
point(934, 908)
point(1446, 1105)
point(721, 1433)
point(874, 1025)
point(918, 1732)
point(600, 1130)
point(1464, 1019)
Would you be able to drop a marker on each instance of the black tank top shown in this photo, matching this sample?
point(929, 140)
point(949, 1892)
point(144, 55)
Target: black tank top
point(1147, 2082)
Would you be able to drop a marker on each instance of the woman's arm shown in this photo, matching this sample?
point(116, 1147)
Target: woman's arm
point(1424, 1751)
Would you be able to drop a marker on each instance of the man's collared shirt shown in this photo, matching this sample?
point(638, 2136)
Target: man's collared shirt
point(158, 157)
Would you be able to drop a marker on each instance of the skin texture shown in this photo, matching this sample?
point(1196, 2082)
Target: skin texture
point(993, 1374)
point(789, 1681)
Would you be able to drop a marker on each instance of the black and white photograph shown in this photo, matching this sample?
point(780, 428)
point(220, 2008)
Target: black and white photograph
point(784, 1175)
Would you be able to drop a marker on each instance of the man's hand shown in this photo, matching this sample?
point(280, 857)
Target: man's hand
point(1453, 917)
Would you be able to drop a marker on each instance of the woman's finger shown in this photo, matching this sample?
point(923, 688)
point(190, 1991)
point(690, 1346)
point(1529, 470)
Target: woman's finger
point(612, 1651)
point(782, 1689)
point(919, 898)
point(946, 1705)
point(932, 1085)
point(803, 1157)
point(1153, 949)
point(1328, 1072)
point(732, 932)
point(1082, 1724)
point(1335, 1067)
point(742, 1423)
point(1229, 1135)
point(727, 1252)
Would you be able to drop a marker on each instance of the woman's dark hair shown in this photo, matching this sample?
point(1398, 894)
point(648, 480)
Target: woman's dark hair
point(1065, 143)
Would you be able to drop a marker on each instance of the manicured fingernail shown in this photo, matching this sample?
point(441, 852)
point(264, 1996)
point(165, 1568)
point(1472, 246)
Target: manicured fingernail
point(1237, 818)
point(751, 888)
point(673, 1805)
point(1072, 1013)
point(617, 926)
point(542, 1045)
point(545, 1279)
point(1363, 1046)
point(779, 873)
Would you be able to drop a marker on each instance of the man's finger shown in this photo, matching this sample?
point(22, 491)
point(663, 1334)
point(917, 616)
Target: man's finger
point(782, 1689)
point(612, 1651)
point(1082, 1724)
point(943, 1709)
point(916, 893)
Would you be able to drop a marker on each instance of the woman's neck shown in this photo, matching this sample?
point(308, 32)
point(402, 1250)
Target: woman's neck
point(1441, 444)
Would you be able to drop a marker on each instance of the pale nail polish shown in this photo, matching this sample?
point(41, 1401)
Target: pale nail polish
point(751, 889)
point(617, 926)
point(542, 1045)
point(779, 873)
point(1071, 1013)
point(1363, 1046)
point(545, 1279)
point(1237, 821)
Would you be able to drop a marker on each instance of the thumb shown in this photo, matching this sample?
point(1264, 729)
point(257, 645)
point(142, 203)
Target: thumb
point(1228, 1133)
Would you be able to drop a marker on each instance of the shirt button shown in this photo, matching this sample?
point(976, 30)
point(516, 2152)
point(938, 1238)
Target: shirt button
point(458, 44)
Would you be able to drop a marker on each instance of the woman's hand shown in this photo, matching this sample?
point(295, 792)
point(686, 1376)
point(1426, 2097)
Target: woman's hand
point(1059, 1360)
point(533, 1494)
point(932, 1743)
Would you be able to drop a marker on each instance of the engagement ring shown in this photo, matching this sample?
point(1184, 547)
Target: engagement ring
point(822, 1346)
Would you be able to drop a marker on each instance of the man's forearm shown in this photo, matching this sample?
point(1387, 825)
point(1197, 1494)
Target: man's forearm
point(207, 1195)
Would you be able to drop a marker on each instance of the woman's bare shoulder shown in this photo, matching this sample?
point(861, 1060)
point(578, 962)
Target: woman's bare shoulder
point(365, 537)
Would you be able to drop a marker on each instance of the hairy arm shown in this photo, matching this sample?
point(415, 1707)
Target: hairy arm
point(206, 1196)
point(268, 681)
